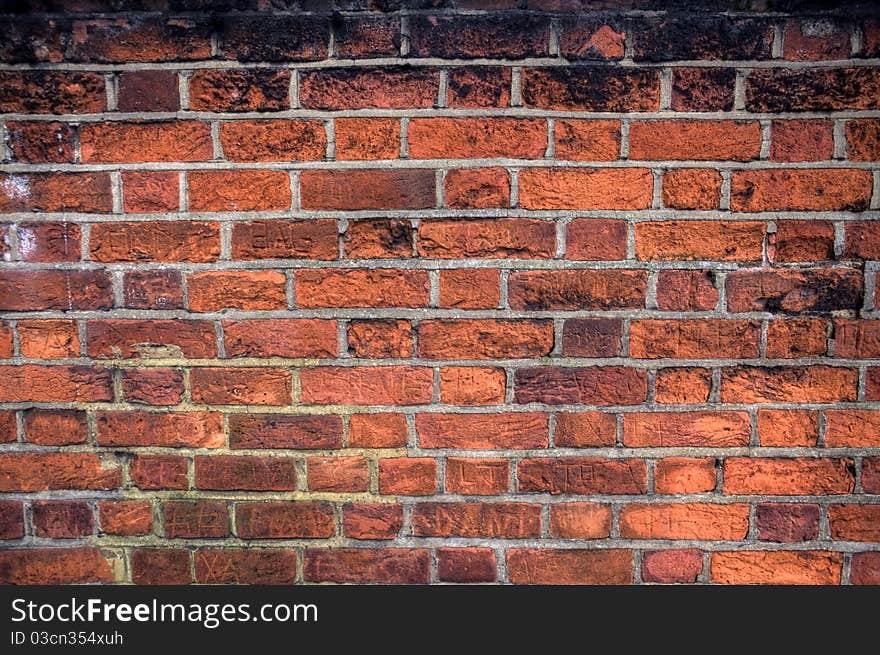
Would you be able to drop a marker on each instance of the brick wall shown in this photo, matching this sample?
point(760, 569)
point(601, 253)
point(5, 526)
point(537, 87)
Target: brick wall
point(414, 293)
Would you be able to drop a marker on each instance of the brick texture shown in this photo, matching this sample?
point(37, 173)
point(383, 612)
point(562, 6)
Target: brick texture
point(439, 291)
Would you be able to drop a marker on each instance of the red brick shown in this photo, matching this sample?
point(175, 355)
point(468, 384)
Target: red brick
point(595, 239)
point(855, 522)
point(378, 287)
point(470, 288)
point(367, 189)
point(159, 472)
point(239, 190)
point(338, 474)
point(281, 337)
point(812, 89)
point(791, 384)
point(8, 430)
point(480, 476)
point(169, 430)
point(871, 475)
point(380, 339)
point(698, 521)
point(147, 90)
point(362, 37)
point(591, 88)
point(694, 339)
point(285, 239)
point(703, 89)
point(55, 427)
point(802, 241)
point(585, 430)
point(239, 90)
point(592, 39)
point(788, 477)
point(43, 471)
point(48, 384)
point(303, 432)
point(852, 428)
point(379, 239)
point(691, 188)
point(511, 431)
point(676, 429)
point(54, 566)
point(700, 140)
point(862, 240)
point(52, 92)
point(582, 475)
point(585, 188)
point(863, 139)
point(62, 519)
point(509, 238)
point(7, 346)
point(278, 140)
point(466, 565)
point(55, 192)
point(477, 519)
point(377, 431)
point(237, 472)
point(865, 569)
point(509, 36)
point(128, 338)
point(241, 386)
point(367, 138)
point(484, 339)
point(274, 37)
point(576, 520)
point(388, 87)
point(702, 240)
point(794, 291)
point(472, 385)
point(597, 385)
point(794, 338)
point(40, 142)
point(284, 520)
point(160, 241)
point(194, 519)
point(160, 141)
point(462, 138)
point(386, 385)
point(250, 567)
point(49, 242)
point(787, 522)
point(212, 291)
point(152, 38)
point(477, 188)
point(361, 566)
point(474, 87)
point(160, 566)
point(682, 475)
point(815, 40)
point(801, 140)
point(372, 521)
point(11, 519)
point(592, 337)
point(405, 476)
point(156, 289)
point(788, 427)
point(125, 517)
point(682, 385)
point(577, 567)
point(48, 339)
point(148, 192)
point(838, 189)
point(686, 290)
point(776, 567)
point(672, 566)
point(687, 36)
point(577, 289)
